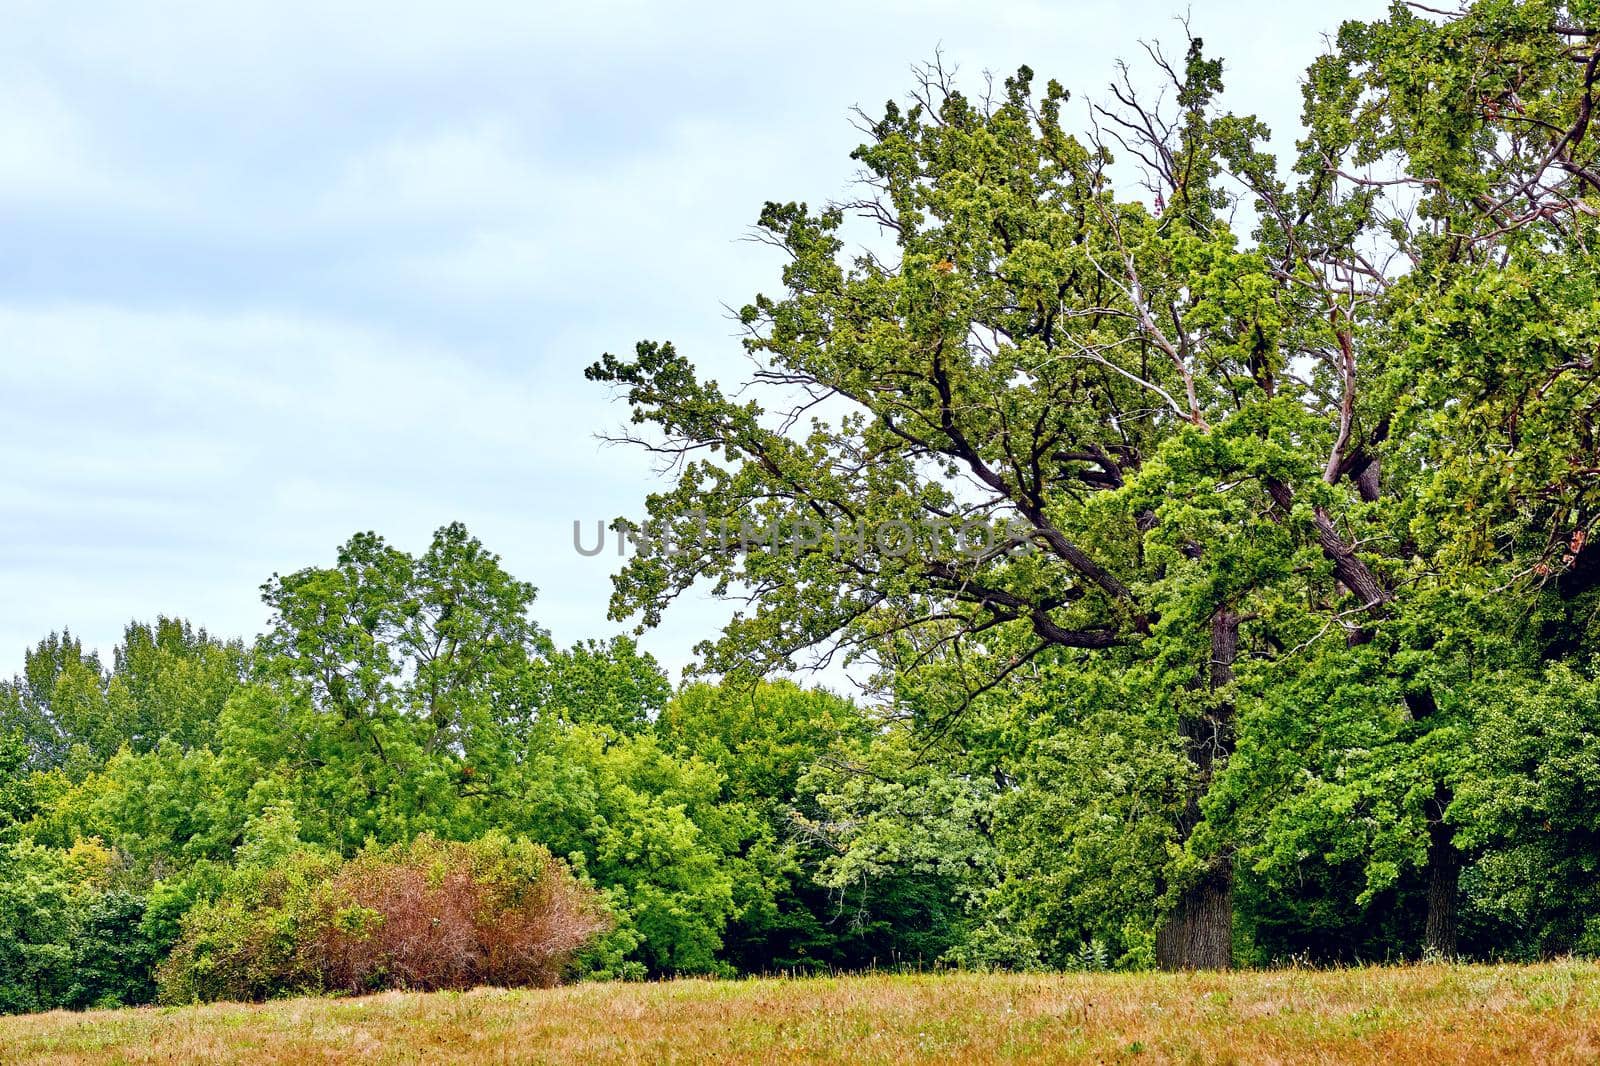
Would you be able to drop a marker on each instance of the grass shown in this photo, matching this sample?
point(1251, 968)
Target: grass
point(1417, 1014)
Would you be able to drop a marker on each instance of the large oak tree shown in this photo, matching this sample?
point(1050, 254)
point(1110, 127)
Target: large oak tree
point(1364, 385)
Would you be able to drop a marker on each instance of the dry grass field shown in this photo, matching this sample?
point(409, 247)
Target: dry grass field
point(1418, 1014)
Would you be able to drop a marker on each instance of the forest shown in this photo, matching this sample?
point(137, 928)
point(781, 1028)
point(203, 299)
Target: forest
point(1213, 532)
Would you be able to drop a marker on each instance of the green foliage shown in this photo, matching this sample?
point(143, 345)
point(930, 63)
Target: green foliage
point(167, 684)
point(761, 737)
point(68, 937)
point(781, 750)
point(903, 844)
point(57, 701)
point(245, 944)
point(17, 791)
point(37, 903)
point(1530, 805)
point(113, 954)
point(1197, 456)
point(609, 683)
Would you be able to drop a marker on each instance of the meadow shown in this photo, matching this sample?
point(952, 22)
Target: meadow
point(1413, 1014)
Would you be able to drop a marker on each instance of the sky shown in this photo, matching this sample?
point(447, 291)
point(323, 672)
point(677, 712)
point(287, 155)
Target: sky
point(273, 273)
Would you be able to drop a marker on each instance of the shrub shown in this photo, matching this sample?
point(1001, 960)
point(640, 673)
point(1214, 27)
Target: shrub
point(37, 903)
point(245, 942)
point(433, 915)
point(426, 915)
point(113, 957)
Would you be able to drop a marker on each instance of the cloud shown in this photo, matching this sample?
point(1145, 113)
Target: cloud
point(162, 461)
point(46, 149)
point(505, 222)
point(480, 170)
point(242, 378)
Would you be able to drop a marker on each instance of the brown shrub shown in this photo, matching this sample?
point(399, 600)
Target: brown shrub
point(426, 915)
point(435, 915)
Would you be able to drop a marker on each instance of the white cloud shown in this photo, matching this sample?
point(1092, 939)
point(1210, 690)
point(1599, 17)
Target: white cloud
point(514, 225)
point(168, 453)
point(46, 150)
point(475, 171)
point(251, 376)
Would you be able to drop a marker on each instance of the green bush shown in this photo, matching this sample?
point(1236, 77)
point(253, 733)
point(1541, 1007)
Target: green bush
point(66, 939)
point(113, 955)
point(36, 924)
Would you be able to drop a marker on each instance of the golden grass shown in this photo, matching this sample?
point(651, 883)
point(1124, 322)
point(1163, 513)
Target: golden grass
point(1417, 1014)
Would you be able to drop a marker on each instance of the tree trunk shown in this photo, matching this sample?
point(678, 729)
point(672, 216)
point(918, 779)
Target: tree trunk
point(1198, 935)
point(1443, 870)
point(1444, 874)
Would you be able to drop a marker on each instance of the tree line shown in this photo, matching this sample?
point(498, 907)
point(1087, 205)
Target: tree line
point(202, 818)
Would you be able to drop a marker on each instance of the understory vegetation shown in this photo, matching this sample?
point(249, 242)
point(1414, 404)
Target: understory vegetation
point(1220, 564)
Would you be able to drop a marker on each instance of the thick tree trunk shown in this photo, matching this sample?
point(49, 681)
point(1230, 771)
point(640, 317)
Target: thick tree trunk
point(1198, 935)
point(1444, 875)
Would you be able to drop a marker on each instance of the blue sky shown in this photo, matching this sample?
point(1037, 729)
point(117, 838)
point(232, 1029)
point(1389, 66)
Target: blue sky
point(273, 273)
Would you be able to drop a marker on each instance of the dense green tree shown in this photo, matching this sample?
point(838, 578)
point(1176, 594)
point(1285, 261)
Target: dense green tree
point(1527, 803)
point(159, 809)
point(761, 736)
point(779, 748)
point(388, 681)
point(168, 682)
point(18, 794)
point(610, 683)
point(36, 926)
point(387, 642)
point(113, 955)
point(1066, 425)
point(1444, 197)
point(647, 827)
point(1204, 450)
point(58, 701)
